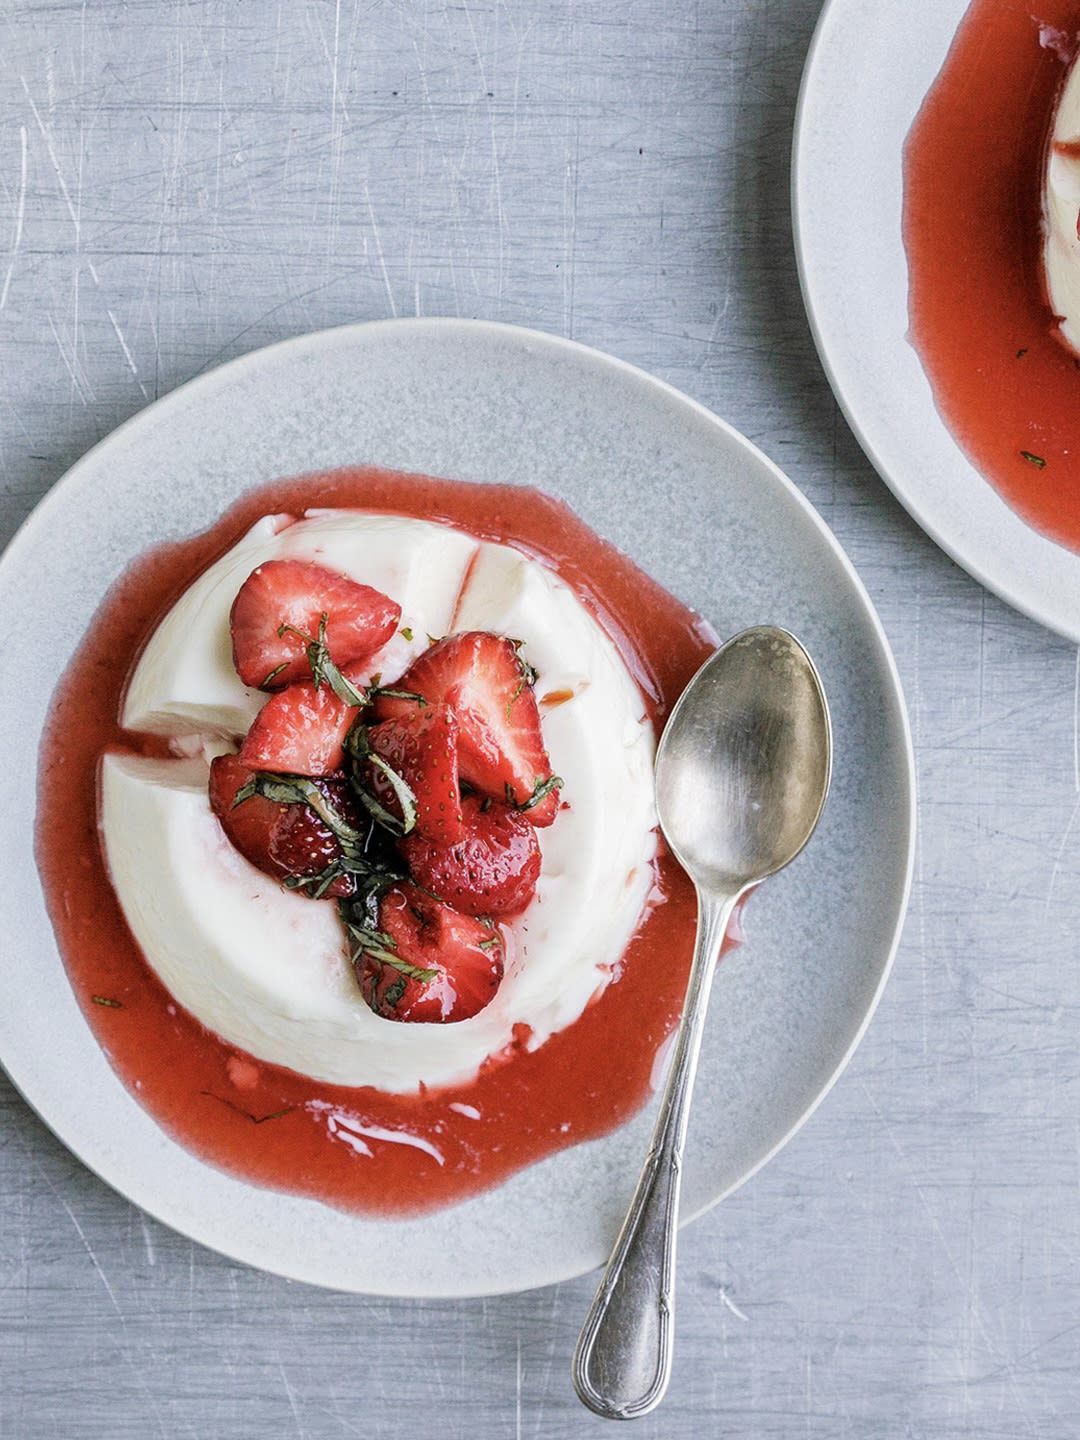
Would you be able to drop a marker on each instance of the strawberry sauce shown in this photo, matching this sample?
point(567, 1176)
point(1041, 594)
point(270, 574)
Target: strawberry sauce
point(1007, 388)
point(359, 1149)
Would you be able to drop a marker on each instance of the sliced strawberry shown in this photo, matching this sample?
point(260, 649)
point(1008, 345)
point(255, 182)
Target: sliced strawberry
point(488, 686)
point(421, 747)
point(428, 963)
point(296, 594)
point(282, 840)
point(493, 870)
point(300, 730)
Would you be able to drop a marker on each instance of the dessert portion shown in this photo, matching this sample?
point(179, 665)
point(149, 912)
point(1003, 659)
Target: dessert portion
point(1061, 206)
point(991, 204)
point(363, 1148)
point(422, 794)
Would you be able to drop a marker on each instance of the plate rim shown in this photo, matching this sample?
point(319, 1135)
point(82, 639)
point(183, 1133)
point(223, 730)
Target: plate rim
point(905, 798)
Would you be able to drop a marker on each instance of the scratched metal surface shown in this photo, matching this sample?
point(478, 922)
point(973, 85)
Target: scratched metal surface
point(182, 182)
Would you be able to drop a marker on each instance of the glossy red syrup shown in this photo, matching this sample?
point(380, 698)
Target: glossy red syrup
point(1007, 388)
point(269, 1125)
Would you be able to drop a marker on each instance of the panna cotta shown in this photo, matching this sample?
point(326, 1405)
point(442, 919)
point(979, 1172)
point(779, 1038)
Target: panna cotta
point(267, 968)
point(1061, 213)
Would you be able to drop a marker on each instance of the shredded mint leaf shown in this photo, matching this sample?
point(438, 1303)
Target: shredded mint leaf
point(528, 677)
point(397, 694)
point(316, 886)
point(393, 993)
point(541, 789)
point(402, 790)
point(363, 907)
point(323, 669)
point(272, 676)
point(529, 672)
point(247, 1114)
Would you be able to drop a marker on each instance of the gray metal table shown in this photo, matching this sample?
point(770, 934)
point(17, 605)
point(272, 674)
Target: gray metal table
point(183, 181)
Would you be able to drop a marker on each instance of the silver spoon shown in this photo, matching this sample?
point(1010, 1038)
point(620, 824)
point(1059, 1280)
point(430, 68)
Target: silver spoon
point(742, 772)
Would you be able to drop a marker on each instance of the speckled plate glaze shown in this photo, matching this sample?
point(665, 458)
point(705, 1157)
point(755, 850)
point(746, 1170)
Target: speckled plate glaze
point(868, 71)
point(690, 500)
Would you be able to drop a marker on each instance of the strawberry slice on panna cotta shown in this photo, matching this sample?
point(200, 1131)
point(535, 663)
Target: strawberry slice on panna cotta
point(278, 613)
point(488, 686)
point(491, 870)
point(301, 730)
point(421, 749)
point(428, 962)
point(286, 837)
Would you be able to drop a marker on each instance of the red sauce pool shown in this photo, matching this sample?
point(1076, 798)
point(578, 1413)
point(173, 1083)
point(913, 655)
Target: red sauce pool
point(1007, 388)
point(269, 1125)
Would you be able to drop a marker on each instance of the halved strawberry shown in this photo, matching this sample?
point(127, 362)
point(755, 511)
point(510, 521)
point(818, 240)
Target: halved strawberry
point(422, 748)
point(300, 730)
point(292, 596)
point(283, 840)
point(427, 962)
point(492, 870)
point(483, 679)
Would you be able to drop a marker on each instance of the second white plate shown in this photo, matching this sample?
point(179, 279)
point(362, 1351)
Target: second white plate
point(868, 71)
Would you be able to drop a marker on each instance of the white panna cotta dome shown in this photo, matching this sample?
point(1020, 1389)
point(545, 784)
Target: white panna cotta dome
point(266, 968)
point(1061, 212)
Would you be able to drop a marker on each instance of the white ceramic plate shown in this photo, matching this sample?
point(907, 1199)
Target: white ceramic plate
point(688, 498)
point(869, 69)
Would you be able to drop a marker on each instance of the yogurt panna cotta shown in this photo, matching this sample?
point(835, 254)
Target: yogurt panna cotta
point(266, 968)
point(1061, 203)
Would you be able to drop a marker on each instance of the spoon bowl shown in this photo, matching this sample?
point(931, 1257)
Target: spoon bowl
point(742, 772)
point(743, 767)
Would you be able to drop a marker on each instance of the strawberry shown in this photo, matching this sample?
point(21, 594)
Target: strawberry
point(300, 730)
point(422, 748)
point(288, 841)
point(485, 682)
point(293, 596)
point(426, 962)
point(493, 870)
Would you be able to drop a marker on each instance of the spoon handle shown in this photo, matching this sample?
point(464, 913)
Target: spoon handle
point(623, 1357)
